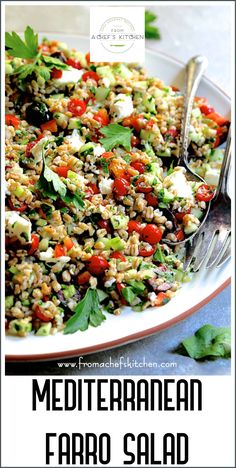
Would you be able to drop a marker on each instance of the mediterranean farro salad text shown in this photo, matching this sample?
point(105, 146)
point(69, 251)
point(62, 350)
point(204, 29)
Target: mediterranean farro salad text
point(93, 188)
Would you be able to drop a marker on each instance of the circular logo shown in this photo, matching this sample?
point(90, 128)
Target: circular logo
point(117, 34)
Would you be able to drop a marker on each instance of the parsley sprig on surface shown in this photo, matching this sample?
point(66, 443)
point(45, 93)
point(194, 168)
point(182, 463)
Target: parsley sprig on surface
point(151, 32)
point(87, 312)
point(208, 342)
point(28, 49)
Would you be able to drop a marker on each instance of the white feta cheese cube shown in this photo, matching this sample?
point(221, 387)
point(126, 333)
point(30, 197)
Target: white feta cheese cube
point(122, 106)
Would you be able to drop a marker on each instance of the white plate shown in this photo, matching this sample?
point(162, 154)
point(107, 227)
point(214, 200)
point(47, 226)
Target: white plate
point(130, 326)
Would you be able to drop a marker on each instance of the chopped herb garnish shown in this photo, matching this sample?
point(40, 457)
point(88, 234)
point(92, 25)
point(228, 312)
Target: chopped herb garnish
point(116, 135)
point(87, 312)
point(151, 32)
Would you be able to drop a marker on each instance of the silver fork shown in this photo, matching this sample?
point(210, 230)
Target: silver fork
point(211, 245)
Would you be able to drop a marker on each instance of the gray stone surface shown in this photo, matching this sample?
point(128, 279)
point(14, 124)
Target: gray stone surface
point(186, 31)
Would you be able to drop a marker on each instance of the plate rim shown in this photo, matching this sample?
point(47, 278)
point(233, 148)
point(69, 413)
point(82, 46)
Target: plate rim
point(140, 334)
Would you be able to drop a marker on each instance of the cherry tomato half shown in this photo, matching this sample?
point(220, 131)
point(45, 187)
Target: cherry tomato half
point(205, 109)
point(143, 252)
point(205, 192)
point(135, 141)
point(83, 278)
point(180, 214)
point(141, 186)
point(218, 118)
point(90, 75)
point(51, 125)
point(12, 120)
point(134, 226)
point(121, 187)
point(121, 286)
point(19, 207)
point(56, 73)
point(41, 314)
point(34, 244)
point(102, 117)
point(97, 265)
point(72, 62)
point(151, 199)
point(77, 107)
point(151, 234)
point(59, 251)
point(179, 234)
point(118, 256)
point(94, 188)
point(103, 224)
point(138, 166)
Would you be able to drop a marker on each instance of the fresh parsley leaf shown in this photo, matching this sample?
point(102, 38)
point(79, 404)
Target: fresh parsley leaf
point(87, 312)
point(73, 199)
point(53, 62)
point(116, 135)
point(51, 176)
point(151, 32)
point(47, 209)
point(19, 48)
point(171, 169)
point(24, 70)
point(208, 341)
point(128, 294)
point(159, 255)
point(42, 71)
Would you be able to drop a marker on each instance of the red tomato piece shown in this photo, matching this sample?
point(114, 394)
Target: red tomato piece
point(103, 224)
point(97, 265)
point(135, 141)
point(179, 234)
point(87, 56)
point(138, 166)
point(136, 121)
point(34, 244)
point(151, 199)
point(205, 192)
point(90, 75)
point(143, 252)
point(68, 243)
point(12, 120)
point(72, 62)
point(51, 125)
point(19, 207)
point(56, 73)
point(141, 186)
point(94, 188)
point(217, 141)
point(62, 171)
point(151, 234)
point(172, 132)
point(59, 251)
point(77, 107)
point(174, 88)
point(41, 315)
point(83, 278)
point(118, 256)
point(180, 214)
point(29, 147)
point(218, 118)
point(121, 187)
point(134, 226)
point(121, 286)
point(161, 297)
point(108, 155)
point(205, 109)
point(102, 117)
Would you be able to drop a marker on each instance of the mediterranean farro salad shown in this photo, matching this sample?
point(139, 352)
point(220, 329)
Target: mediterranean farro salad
point(93, 188)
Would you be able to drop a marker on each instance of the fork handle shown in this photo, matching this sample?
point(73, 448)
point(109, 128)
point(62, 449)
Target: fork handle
point(222, 185)
point(194, 71)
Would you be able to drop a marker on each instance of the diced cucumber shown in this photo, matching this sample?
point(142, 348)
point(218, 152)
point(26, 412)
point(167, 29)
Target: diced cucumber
point(74, 123)
point(41, 222)
point(195, 211)
point(101, 93)
point(149, 103)
point(122, 70)
point(19, 191)
point(44, 330)
point(191, 228)
point(19, 326)
point(116, 243)
point(69, 291)
point(216, 155)
point(61, 119)
point(119, 221)
point(106, 72)
point(8, 68)
point(196, 112)
point(9, 301)
point(43, 245)
point(87, 149)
